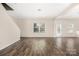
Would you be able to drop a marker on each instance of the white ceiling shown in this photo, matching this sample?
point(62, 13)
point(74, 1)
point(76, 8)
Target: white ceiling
point(73, 13)
point(53, 10)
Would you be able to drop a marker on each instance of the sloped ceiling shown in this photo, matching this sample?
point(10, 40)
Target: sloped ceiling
point(73, 13)
point(28, 10)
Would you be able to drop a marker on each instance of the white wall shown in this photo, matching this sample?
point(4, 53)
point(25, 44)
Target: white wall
point(66, 24)
point(26, 27)
point(9, 32)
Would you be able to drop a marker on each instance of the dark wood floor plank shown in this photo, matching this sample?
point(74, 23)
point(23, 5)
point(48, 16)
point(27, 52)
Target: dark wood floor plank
point(33, 47)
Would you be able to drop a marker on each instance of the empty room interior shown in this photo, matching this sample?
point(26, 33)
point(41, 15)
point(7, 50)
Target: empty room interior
point(39, 29)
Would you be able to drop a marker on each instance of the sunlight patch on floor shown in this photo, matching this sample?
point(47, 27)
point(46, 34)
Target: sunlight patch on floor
point(70, 47)
point(59, 42)
point(38, 45)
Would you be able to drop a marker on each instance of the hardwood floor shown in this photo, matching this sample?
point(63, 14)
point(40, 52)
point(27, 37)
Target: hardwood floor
point(43, 47)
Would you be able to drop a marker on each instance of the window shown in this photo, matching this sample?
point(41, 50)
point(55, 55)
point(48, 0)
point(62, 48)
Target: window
point(58, 29)
point(71, 28)
point(42, 28)
point(38, 28)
